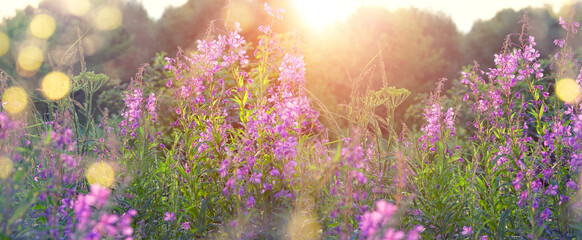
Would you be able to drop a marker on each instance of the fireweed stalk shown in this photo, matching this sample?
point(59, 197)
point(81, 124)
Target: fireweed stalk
point(436, 165)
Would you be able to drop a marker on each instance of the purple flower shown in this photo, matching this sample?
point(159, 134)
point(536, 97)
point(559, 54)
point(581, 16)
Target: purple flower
point(546, 214)
point(292, 69)
point(223, 168)
point(284, 193)
point(432, 128)
point(250, 202)
point(563, 23)
point(552, 190)
point(392, 234)
point(574, 27)
point(517, 181)
point(274, 172)
point(414, 234)
point(467, 230)
point(151, 107)
point(256, 178)
point(559, 42)
point(265, 29)
point(523, 199)
point(572, 185)
point(277, 14)
point(536, 185)
point(169, 217)
point(98, 196)
point(133, 100)
point(372, 221)
point(448, 121)
point(360, 177)
point(106, 225)
point(535, 203)
point(186, 225)
point(385, 208)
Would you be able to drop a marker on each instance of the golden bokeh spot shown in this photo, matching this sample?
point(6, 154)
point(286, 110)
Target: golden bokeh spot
point(30, 58)
point(4, 43)
point(101, 173)
point(78, 7)
point(43, 26)
point(55, 85)
point(109, 18)
point(302, 226)
point(14, 100)
point(6, 166)
point(568, 90)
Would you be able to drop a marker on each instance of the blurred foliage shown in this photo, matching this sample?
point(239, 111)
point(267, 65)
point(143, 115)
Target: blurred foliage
point(411, 48)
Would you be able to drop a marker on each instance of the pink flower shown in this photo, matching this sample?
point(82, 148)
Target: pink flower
point(186, 225)
point(392, 234)
point(467, 230)
point(169, 217)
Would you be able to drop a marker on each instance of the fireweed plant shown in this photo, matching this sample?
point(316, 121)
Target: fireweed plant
point(244, 155)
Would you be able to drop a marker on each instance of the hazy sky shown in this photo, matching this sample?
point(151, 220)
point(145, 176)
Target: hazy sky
point(322, 12)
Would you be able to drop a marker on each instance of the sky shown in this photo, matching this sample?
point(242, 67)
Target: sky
point(324, 12)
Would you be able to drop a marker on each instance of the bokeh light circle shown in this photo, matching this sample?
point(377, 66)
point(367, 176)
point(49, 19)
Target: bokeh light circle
point(568, 90)
point(6, 167)
point(4, 43)
point(101, 173)
point(78, 7)
point(30, 58)
point(14, 100)
point(55, 85)
point(43, 26)
point(109, 18)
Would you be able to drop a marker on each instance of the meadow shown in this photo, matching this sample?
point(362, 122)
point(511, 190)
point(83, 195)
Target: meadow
point(227, 143)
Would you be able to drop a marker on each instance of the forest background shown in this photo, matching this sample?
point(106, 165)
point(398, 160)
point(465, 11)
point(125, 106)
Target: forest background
point(413, 47)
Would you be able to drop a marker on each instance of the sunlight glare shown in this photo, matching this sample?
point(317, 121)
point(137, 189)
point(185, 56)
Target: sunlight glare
point(14, 100)
point(55, 85)
point(42, 26)
point(6, 166)
point(321, 13)
point(100, 173)
point(239, 11)
point(568, 90)
point(78, 7)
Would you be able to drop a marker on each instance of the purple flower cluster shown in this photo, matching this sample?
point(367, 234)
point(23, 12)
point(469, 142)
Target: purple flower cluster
point(532, 146)
point(133, 113)
point(94, 223)
point(276, 13)
point(249, 132)
point(438, 126)
point(376, 224)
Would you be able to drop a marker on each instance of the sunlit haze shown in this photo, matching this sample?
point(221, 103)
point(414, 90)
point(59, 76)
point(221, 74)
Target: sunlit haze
point(320, 13)
point(155, 8)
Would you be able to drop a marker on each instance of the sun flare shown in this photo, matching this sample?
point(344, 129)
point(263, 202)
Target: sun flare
point(320, 13)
